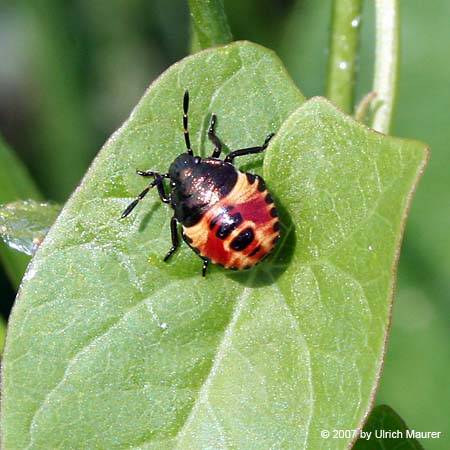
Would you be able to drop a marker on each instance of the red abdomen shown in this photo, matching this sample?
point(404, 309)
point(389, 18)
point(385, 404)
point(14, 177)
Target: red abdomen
point(240, 229)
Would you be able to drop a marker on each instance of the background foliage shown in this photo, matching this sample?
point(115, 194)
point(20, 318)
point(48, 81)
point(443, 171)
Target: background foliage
point(111, 51)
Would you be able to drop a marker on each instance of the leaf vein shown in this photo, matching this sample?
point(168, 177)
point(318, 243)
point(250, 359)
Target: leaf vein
point(220, 355)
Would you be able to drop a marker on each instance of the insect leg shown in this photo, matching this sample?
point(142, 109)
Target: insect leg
point(175, 239)
point(205, 266)
point(160, 186)
point(185, 123)
point(156, 182)
point(205, 260)
point(250, 150)
point(213, 138)
point(151, 173)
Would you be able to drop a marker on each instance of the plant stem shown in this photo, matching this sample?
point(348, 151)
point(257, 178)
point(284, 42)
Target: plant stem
point(194, 43)
point(344, 41)
point(363, 107)
point(209, 23)
point(386, 63)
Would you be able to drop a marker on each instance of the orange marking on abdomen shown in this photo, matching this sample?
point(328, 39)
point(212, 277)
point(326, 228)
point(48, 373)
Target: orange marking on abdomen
point(245, 199)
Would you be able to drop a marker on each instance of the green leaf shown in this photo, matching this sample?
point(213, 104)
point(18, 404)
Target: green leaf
point(108, 347)
point(2, 333)
point(24, 224)
point(15, 184)
point(346, 189)
point(392, 432)
point(421, 320)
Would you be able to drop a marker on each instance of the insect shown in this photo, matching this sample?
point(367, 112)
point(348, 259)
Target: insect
point(228, 217)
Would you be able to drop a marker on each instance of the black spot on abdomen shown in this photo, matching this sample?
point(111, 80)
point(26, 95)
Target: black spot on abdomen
point(261, 185)
point(255, 251)
point(229, 223)
point(250, 177)
point(242, 240)
point(220, 216)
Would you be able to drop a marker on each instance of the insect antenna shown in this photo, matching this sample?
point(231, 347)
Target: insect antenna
point(185, 122)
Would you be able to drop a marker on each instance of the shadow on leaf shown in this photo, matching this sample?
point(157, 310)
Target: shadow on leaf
point(148, 217)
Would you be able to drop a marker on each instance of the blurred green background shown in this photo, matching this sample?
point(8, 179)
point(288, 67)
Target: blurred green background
point(70, 73)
